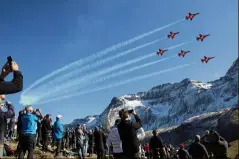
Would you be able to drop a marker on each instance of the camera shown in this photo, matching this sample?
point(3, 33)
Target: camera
point(130, 111)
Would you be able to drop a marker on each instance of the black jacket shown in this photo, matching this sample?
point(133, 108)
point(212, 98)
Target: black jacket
point(220, 149)
point(14, 86)
point(128, 135)
point(99, 140)
point(4, 116)
point(155, 142)
point(183, 154)
point(198, 151)
point(46, 127)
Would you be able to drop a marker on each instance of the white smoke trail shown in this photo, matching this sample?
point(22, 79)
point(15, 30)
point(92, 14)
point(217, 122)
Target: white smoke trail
point(77, 86)
point(91, 66)
point(99, 54)
point(99, 73)
point(116, 84)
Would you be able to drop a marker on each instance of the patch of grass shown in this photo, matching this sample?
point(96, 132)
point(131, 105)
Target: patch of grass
point(233, 151)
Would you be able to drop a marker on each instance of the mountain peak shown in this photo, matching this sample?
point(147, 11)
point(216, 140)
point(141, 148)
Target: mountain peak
point(171, 104)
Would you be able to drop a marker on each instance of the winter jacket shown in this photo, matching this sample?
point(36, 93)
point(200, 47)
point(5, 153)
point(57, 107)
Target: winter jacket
point(183, 154)
point(114, 140)
point(155, 142)
point(98, 140)
point(4, 116)
point(58, 130)
point(140, 133)
point(128, 136)
point(198, 151)
point(80, 136)
point(220, 149)
point(46, 127)
point(29, 123)
point(13, 86)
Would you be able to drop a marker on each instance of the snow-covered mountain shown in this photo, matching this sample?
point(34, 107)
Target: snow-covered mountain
point(222, 121)
point(171, 104)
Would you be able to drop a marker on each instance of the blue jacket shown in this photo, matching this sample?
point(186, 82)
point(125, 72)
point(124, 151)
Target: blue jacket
point(58, 130)
point(29, 123)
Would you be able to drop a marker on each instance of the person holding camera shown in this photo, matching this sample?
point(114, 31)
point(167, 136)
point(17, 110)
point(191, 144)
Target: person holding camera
point(128, 134)
point(14, 86)
point(3, 121)
point(29, 127)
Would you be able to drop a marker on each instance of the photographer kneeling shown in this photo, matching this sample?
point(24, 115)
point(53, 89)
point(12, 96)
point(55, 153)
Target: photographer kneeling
point(29, 127)
point(14, 86)
point(128, 134)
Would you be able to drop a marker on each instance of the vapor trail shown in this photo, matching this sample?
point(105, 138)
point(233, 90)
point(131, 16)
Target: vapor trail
point(116, 84)
point(99, 54)
point(93, 65)
point(77, 86)
point(99, 73)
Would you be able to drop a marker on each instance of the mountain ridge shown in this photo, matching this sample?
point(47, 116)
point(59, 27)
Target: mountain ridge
point(171, 104)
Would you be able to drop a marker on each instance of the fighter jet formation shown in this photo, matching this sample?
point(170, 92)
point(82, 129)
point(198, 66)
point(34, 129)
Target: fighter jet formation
point(182, 53)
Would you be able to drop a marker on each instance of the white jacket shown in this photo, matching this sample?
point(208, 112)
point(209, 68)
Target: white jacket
point(140, 133)
point(114, 140)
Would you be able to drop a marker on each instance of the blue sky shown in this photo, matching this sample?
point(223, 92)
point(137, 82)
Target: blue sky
point(43, 36)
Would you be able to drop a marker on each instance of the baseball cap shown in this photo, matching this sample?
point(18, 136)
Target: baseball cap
point(59, 116)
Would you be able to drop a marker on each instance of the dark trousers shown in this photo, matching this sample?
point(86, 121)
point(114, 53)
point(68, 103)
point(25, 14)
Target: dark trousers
point(45, 141)
point(27, 144)
point(80, 150)
point(58, 146)
point(39, 137)
point(100, 153)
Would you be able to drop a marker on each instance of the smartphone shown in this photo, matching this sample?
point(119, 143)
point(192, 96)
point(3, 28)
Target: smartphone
point(9, 60)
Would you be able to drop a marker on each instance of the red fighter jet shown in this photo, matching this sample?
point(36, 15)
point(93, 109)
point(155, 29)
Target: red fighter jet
point(172, 35)
point(202, 37)
point(161, 52)
point(206, 59)
point(191, 16)
point(183, 53)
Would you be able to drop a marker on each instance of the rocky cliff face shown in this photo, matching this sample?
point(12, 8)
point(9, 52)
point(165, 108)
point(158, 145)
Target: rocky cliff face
point(223, 122)
point(171, 104)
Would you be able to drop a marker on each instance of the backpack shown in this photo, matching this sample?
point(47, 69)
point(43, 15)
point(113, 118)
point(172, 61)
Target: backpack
point(9, 150)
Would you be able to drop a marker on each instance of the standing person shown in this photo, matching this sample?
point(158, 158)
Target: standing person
point(29, 127)
point(11, 127)
point(67, 138)
point(182, 153)
point(219, 147)
point(3, 118)
point(156, 145)
point(39, 133)
point(86, 141)
point(197, 150)
point(128, 135)
point(46, 132)
point(14, 86)
point(91, 143)
point(99, 143)
point(58, 133)
point(114, 140)
point(80, 138)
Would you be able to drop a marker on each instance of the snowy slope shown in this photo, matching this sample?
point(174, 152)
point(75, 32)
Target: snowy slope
point(171, 104)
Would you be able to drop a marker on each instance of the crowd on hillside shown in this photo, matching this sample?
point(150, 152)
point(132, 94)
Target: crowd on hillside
point(125, 139)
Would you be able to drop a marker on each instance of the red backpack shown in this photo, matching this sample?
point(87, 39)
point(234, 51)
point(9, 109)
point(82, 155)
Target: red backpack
point(9, 150)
